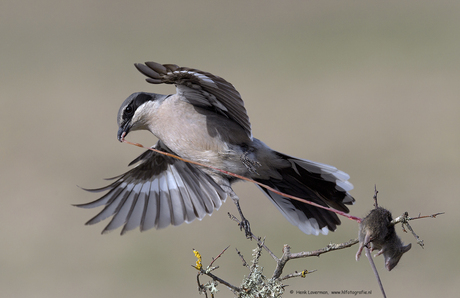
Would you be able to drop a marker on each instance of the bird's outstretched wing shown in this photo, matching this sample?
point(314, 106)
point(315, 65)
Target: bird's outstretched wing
point(201, 89)
point(158, 192)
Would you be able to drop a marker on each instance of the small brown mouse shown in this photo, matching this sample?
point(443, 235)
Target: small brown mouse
point(375, 229)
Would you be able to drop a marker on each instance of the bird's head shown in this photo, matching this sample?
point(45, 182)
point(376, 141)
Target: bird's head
point(136, 111)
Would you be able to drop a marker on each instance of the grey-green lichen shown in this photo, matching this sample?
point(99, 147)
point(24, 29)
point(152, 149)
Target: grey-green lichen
point(256, 285)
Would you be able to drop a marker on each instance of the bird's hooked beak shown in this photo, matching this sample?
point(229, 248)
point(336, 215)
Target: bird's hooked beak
point(123, 132)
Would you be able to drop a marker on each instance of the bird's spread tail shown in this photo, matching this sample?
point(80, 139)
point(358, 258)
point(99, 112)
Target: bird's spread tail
point(315, 182)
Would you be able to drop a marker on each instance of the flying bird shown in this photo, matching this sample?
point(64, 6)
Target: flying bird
point(205, 121)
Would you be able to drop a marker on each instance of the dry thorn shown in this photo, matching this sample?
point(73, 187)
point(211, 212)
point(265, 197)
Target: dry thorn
point(376, 205)
point(245, 264)
point(405, 217)
point(404, 220)
point(218, 256)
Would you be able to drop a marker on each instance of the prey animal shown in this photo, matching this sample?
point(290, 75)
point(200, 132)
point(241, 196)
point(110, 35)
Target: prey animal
point(375, 230)
point(205, 121)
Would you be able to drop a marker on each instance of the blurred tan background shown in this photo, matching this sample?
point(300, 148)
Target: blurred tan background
point(371, 88)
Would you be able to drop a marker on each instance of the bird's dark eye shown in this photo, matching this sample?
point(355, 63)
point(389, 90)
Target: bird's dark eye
point(128, 111)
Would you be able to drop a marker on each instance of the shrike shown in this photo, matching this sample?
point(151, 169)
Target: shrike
point(205, 121)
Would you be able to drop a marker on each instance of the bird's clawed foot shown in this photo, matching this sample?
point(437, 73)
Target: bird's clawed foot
point(243, 224)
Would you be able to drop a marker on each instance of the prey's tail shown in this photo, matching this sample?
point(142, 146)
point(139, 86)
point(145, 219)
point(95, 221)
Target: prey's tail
point(315, 182)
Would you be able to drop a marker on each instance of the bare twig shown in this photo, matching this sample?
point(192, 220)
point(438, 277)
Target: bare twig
point(404, 220)
point(287, 255)
point(405, 217)
point(376, 205)
point(245, 264)
point(298, 274)
point(249, 180)
point(330, 247)
point(282, 261)
point(218, 256)
point(201, 288)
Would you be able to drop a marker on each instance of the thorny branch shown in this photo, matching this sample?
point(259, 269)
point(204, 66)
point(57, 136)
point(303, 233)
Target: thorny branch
point(256, 283)
point(211, 286)
point(287, 255)
point(404, 220)
point(278, 288)
point(276, 279)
